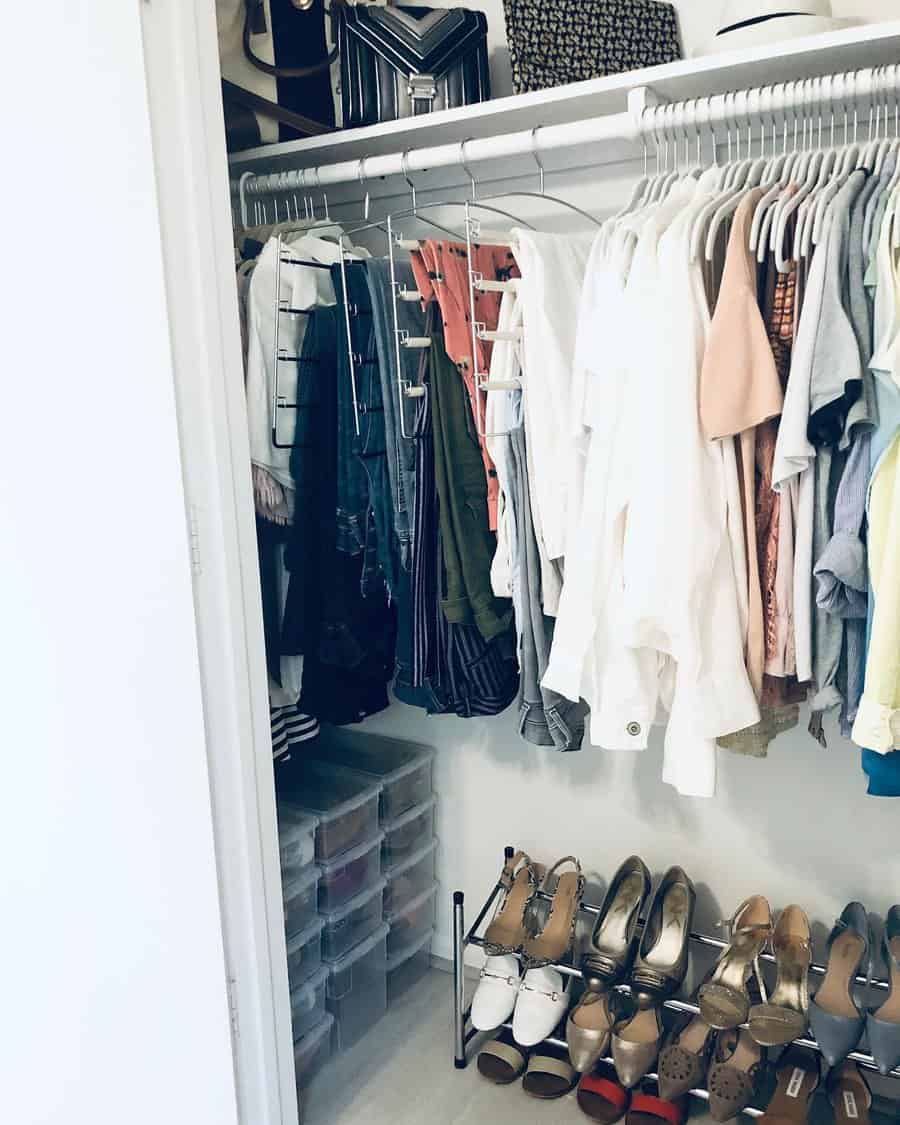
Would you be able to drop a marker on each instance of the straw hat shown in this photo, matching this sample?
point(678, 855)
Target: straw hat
point(752, 23)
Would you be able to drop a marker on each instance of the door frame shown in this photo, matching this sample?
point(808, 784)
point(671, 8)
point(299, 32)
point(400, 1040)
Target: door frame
point(182, 70)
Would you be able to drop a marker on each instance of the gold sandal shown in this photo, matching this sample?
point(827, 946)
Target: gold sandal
point(507, 929)
point(786, 1015)
point(724, 999)
point(556, 937)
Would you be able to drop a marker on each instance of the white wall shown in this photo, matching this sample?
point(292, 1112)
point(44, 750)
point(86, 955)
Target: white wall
point(114, 1002)
point(698, 20)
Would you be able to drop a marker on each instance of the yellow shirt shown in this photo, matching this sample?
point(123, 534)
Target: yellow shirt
point(877, 725)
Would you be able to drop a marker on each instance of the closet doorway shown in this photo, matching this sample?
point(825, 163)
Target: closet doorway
point(180, 40)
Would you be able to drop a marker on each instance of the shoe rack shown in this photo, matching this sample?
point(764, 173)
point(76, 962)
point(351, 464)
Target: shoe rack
point(464, 1033)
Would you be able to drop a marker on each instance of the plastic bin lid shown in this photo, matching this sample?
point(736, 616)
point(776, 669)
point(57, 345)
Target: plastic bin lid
point(328, 790)
point(413, 904)
point(401, 956)
point(291, 818)
point(410, 815)
point(379, 756)
point(311, 932)
point(295, 886)
point(306, 989)
point(358, 951)
point(411, 860)
point(358, 852)
point(311, 1040)
point(335, 917)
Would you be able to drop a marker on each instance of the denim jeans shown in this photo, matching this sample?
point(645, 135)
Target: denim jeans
point(545, 718)
point(401, 451)
point(352, 485)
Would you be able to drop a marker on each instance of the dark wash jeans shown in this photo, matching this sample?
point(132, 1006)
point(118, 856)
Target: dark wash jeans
point(401, 451)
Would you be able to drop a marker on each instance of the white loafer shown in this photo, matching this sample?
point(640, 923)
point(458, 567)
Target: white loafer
point(497, 992)
point(542, 1002)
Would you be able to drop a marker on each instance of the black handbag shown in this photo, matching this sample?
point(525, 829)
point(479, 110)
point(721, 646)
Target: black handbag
point(554, 42)
point(401, 62)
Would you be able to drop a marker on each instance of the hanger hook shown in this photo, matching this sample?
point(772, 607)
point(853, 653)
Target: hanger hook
point(361, 174)
point(707, 104)
point(324, 193)
point(654, 129)
point(681, 114)
point(473, 183)
point(404, 168)
point(535, 156)
point(304, 196)
point(643, 133)
point(694, 123)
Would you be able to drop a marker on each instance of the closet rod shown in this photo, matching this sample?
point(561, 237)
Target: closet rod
point(645, 117)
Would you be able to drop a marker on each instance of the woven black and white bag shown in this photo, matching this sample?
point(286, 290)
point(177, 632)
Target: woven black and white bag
point(554, 42)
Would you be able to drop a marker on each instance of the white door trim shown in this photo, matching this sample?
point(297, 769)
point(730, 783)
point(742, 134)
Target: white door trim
point(182, 64)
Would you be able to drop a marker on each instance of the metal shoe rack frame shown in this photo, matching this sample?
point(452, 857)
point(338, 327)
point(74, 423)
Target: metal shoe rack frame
point(464, 1033)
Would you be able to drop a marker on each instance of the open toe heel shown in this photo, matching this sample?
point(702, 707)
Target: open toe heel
point(725, 999)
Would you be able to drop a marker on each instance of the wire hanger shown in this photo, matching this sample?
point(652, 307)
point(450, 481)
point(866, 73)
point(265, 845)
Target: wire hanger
point(541, 194)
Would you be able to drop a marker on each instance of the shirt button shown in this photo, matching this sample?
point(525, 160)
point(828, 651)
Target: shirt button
point(634, 729)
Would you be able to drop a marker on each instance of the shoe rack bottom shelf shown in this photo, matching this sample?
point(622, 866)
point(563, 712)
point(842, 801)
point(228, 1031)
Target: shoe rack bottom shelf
point(464, 1033)
point(750, 1111)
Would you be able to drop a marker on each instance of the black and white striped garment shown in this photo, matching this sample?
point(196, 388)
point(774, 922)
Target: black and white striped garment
point(290, 727)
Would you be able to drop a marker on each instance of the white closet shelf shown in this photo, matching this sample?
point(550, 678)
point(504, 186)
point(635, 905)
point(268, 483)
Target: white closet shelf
point(853, 48)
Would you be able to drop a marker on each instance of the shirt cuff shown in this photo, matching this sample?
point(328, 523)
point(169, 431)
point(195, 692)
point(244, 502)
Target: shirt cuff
point(877, 727)
point(620, 730)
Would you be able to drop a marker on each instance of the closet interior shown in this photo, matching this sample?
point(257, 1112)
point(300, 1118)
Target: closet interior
point(575, 425)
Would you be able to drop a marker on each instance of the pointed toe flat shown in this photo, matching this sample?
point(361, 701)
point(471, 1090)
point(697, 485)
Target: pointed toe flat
point(588, 1031)
point(635, 1046)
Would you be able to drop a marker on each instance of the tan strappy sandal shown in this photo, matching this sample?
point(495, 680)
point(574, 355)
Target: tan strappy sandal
point(557, 936)
point(724, 999)
point(507, 930)
point(784, 1017)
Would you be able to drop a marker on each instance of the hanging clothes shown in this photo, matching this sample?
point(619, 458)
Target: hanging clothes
point(441, 271)
point(553, 270)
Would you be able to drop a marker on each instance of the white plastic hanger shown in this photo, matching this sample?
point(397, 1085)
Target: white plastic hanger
point(705, 215)
point(847, 161)
point(750, 177)
point(780, 172)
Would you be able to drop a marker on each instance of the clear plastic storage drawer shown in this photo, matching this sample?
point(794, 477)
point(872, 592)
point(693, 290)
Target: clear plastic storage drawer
point(352, 923)
point(296, 839)
point(407, 833)
point(412, 921)
point(301, 902)
point(409, 879)
point(308, 1003)
point(349, 874)
point(357, 988)
point(313, 1051)
point(344, 800)
point(403, 768)
point(304, 953)
point(406, 966)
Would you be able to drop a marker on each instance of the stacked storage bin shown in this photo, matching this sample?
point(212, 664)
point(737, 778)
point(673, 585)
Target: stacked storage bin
point(406, 811)
point(303, 929)
point(351, 983)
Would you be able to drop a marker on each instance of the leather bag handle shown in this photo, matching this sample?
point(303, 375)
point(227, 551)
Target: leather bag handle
point(306, 126)
point(253, 14)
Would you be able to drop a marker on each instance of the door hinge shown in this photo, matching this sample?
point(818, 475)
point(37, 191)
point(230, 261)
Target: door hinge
point(194, 539)
point(232, 1007)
